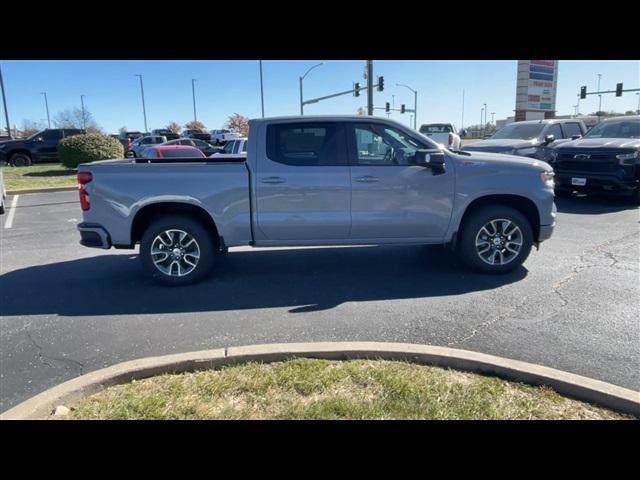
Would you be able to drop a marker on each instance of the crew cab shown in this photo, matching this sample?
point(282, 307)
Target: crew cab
point(326, 180)
point(605, 160)
point(38, 148)
point(444, 133)
point(532, 138)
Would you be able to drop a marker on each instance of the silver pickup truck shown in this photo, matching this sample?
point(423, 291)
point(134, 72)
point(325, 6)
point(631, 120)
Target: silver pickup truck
point(329, 180)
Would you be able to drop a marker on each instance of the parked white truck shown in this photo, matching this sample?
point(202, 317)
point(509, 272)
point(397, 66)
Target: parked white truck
point(318, 181)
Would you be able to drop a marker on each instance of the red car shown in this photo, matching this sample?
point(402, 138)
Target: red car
point(172, 151)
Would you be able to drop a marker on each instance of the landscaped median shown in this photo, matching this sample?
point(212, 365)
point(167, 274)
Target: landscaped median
point(355, 380)
point(43, 176)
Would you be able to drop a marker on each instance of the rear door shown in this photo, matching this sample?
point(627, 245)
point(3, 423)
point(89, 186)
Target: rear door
point(303, 185)
point(391, 198)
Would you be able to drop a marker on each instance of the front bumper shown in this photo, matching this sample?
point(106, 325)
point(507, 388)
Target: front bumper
point(94, 235)
point(547, 230)
point(596, 182)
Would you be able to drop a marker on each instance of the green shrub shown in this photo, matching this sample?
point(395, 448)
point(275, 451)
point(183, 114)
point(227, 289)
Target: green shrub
point(88, 148)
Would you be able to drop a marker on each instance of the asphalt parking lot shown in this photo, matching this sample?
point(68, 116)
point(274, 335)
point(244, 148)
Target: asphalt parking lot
point(67, 310)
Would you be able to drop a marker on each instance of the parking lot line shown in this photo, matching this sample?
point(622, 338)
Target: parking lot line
point(8, 223)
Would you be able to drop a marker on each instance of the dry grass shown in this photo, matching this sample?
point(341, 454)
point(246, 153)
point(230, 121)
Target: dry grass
point(321, 389)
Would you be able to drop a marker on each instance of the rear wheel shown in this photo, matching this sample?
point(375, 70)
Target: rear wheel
point(177, 250)
point(495, 239)
point(20, 160)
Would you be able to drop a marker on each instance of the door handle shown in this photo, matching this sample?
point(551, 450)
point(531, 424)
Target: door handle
point(367, 179)
point(273, 180)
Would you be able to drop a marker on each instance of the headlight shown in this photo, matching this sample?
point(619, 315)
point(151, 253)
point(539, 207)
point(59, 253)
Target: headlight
point(524, 151)
point(628, 158)
point(547, 179)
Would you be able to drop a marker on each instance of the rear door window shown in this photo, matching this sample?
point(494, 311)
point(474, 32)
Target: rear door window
point(307, 144)
point(555, 130)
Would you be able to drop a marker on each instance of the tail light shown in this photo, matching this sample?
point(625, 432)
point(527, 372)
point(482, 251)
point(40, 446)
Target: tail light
point(451, 139)
point(83, 179)
point(129, 143)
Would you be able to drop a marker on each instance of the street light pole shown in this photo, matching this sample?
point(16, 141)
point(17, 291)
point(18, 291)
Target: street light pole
point(600, 95)
point(144, 108)
point(302, 78)
point(193, 91)
point(369, 87)
point(84, 121)
point(492, 115)
point(481, 116)
point(46, 104)
point(462, 120)
point(415, 103)
point(4, 102)
point(261, 90)
point(636, 94)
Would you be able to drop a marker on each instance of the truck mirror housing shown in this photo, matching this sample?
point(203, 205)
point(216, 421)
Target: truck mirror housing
point(433, 159)
point(549, 139)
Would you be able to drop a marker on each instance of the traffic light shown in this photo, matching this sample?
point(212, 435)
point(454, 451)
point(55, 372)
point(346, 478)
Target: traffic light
point(387, 107)
point(356, 92)
point(618, 89)
point(583, 92)
point(402, 108)
point(380, 84)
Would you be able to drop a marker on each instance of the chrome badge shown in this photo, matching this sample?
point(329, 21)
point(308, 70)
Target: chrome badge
point(582, 156)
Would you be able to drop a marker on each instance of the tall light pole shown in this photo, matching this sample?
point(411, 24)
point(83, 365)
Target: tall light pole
point(638, 93)
point(415, 103)
point(485, 115)
point(4, 102)
point(46, 104)
point(578, 107)
point(576, 112)
point(481, 117)
point(193, 91)
point(301, 79)
point(261, 90)
point(84, 120)
point(144, 108)
point(462, 120)
point(492, 115)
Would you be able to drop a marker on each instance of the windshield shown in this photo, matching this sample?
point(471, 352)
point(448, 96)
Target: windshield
point(520, 131)
point(619, 129)
point(436, 128)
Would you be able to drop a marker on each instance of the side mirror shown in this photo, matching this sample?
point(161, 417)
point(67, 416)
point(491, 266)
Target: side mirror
point(575, 137)
point(549, 139)
point(39, 139)
point(433, 159)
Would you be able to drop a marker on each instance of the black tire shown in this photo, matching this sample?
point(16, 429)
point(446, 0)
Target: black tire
point(195, 229)
point(474, 223)
point(20, 160)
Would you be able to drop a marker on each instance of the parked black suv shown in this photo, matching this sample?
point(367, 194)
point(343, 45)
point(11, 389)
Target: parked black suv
point(39, 147)
point(165, 132)
point(606, 159)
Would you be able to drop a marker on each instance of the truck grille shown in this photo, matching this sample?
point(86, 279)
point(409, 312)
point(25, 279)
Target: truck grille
point(601, 162)
point(587, 166)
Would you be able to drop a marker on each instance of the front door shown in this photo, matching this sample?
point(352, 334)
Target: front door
point(303, 185)
point(47, 149)
point(391, 198)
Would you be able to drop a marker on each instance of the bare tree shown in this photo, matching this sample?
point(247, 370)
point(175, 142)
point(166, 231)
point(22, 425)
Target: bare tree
point(122, 129)
point(195, 125)
point(174, 127)
point(239, 124)
point(76, 118)
point(29, 127)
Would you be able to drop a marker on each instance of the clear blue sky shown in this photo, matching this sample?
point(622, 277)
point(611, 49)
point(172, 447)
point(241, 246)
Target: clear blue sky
point(225, 87)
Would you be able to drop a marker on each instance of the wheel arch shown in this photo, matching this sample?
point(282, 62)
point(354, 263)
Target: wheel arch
point(151, 212)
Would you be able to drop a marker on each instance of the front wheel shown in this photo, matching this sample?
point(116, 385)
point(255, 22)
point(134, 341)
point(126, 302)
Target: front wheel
point(20, 160)
point(495, 239)
point(177, 250)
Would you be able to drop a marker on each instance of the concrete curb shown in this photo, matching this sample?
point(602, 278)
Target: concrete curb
point(575, 386)
point(41, 190)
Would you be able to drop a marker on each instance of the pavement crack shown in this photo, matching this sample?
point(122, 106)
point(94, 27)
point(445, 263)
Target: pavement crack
point(43, 358)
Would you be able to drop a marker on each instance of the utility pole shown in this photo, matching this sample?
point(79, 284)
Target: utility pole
point(492, 115)
point(84, 121)
point(193, 91)
point(4, 102)
point(485, 116)
point(600, 102)
point(481, 116)
point(261, 90)
point(301, 79)
point(46, 104)
point(144, 109)
point(369, 87)
point(5, 108)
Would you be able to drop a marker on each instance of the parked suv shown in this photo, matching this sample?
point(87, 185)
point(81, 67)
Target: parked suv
point(606, 159)
point(139, 145)
point(532, 139)
point(39, 147)
point(195, 133)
